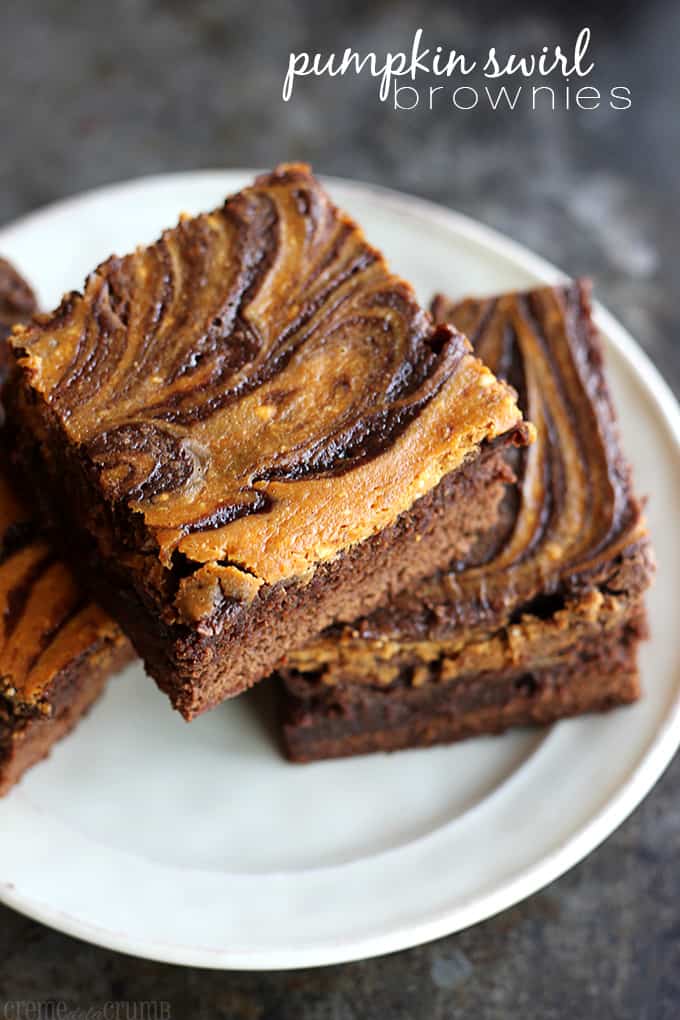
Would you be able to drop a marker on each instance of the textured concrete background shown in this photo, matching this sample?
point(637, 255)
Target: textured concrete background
point(93, 93)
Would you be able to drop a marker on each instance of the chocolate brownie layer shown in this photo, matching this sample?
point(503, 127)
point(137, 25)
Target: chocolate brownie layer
point(57, 649)
point(243, 409)
point(569, 557)
point(320, 721)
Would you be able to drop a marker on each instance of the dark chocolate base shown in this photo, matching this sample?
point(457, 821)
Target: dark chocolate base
point(329, 721)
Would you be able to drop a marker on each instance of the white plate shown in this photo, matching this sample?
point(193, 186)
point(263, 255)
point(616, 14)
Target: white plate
point(199, 844)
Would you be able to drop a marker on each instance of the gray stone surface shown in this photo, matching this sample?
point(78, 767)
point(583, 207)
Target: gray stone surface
point(92, 93)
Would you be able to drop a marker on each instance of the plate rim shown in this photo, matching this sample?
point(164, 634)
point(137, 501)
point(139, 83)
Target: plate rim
point(641, 777)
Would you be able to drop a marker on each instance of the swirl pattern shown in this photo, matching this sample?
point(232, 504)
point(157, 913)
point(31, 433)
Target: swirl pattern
point(576, 510)
point(259, 386)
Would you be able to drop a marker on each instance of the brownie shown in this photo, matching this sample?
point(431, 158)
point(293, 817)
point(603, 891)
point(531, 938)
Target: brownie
point(57, 649)
point(256, 431)
point(545, 621)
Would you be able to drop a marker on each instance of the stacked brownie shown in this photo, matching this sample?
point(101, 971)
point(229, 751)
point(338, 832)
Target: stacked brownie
point(544, 620)
point(255, 431)
point(57, 648)
point(271, 457)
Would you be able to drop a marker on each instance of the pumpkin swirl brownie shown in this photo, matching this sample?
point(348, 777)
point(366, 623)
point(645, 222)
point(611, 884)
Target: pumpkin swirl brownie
point(256, 431)
point(57, 649)
point(545, 623)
